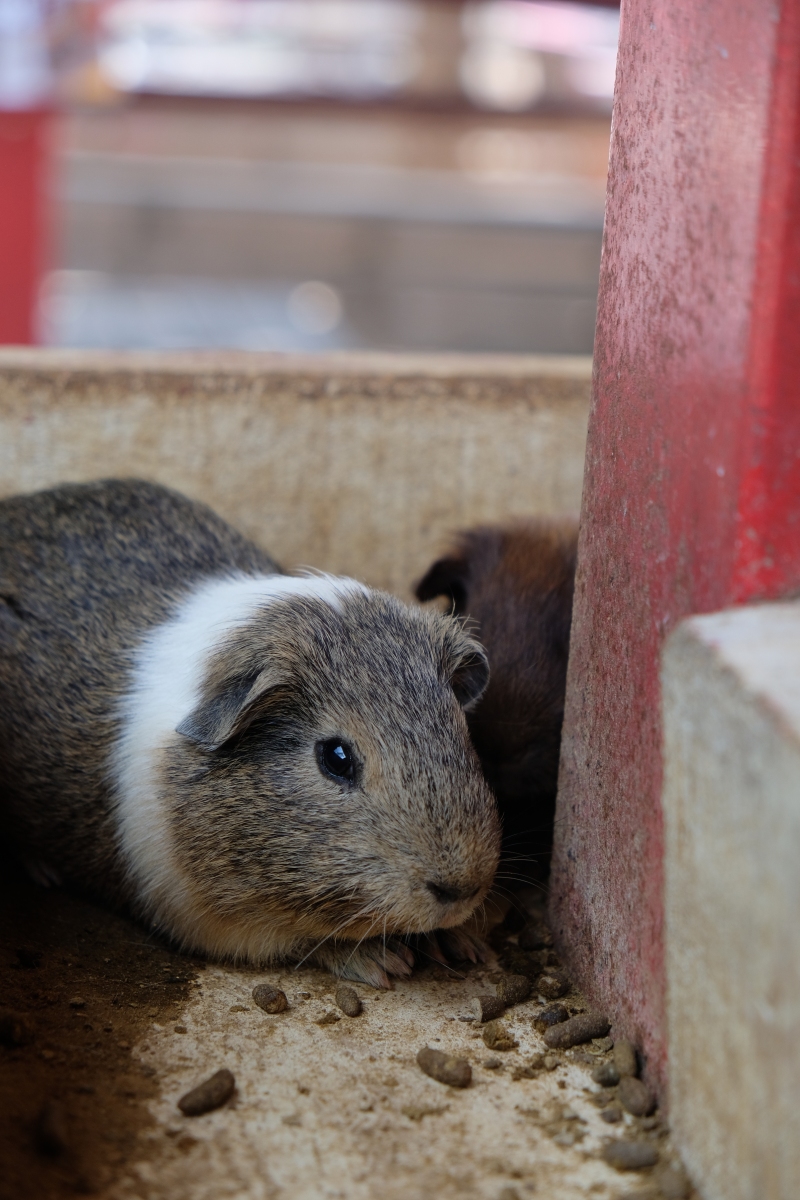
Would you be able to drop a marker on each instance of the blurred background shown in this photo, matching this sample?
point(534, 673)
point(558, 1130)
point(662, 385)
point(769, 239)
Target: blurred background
point(303, 174)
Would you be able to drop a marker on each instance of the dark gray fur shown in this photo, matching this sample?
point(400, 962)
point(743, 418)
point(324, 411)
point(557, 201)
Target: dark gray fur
point(85, 571)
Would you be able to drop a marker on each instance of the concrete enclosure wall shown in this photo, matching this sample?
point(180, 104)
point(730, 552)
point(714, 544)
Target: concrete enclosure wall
point(356, 464)
point(731, 693)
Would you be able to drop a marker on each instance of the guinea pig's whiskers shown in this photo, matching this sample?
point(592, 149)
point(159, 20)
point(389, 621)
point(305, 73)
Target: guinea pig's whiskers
point(509, 878)
point(520, 833)
point(511, 895)
point(503, 891)
point(313, 950)
point(328, 936)
point(509, 844)
point(363, 938)
point(522, 856)
point(479, 915)
point(521, 870)
point(364, 911)
point(538, 885)
point(521, 852)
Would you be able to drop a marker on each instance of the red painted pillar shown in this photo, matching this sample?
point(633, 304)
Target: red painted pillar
point(24, 155)
point(692, 486)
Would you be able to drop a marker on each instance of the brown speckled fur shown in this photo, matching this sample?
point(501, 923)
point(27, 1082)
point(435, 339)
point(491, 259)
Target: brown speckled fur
point(516, 583)
point(406, 820)
point(272, 855)
point(85, 570)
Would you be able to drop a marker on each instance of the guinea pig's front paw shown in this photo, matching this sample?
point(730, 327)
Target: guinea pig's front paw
point(372, 962)
point(447, 946)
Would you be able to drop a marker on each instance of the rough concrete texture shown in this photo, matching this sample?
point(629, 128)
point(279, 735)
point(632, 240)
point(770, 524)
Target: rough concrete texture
point(359, 464)
point(118, 1027)
point(731, 691)
point(343, 1109)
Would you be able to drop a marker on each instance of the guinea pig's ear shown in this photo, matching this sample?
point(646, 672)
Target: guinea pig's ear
point(229, 707)
point(447, 577)
point(466, 667)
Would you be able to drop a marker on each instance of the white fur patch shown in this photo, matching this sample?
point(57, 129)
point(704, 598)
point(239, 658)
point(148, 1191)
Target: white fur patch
point(168, 672)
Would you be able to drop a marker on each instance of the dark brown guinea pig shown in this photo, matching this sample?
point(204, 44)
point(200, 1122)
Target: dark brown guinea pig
point(515, 582)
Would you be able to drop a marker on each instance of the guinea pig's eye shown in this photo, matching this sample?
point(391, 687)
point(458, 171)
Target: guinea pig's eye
point(336, 759)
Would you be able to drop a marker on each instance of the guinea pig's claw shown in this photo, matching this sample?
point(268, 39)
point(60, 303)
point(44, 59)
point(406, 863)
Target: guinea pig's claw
point(449, 946)
point(405, 953)
point(396, 959)
point(372, 962)
point(461, 944)
point(428, 947)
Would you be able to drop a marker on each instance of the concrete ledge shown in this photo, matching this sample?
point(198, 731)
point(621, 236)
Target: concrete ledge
point(731, 690)
point(355, 463)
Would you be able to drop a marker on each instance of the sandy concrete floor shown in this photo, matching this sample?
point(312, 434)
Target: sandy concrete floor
point(343, 1110)
point(120, 1027)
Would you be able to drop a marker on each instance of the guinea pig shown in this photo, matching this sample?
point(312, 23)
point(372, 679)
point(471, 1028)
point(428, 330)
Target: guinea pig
point(258, 765)
point(516, 584)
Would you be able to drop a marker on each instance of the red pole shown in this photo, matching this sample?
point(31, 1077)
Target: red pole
point(768, 535)
point(24, 146)
point(692, 486)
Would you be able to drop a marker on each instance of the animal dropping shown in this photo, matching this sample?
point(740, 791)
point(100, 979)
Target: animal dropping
point(271, 999)
point(446, 1068)
point(514, 989)
point(576, 1030)
point(260, 766)
point(553, 984)
point(210, 1094)
point(625, 1057)
point(487, 1007)
point(606, 1075)
point(498, 1036)
point(630, 1156)
point(635, 1097)
point(348, 1000)
point(554, 1014)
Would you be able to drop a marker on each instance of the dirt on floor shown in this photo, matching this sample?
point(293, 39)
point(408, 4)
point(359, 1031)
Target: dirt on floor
point(80, 986)
point(103, 1028)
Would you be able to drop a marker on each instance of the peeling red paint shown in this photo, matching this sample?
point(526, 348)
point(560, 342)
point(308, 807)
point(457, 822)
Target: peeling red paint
point(692, 492)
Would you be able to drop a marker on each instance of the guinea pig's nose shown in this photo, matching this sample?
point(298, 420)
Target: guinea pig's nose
point(445, 893)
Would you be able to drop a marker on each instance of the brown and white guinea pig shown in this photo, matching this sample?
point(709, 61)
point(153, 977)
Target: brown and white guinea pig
point(256, 764)
point(516, 583)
